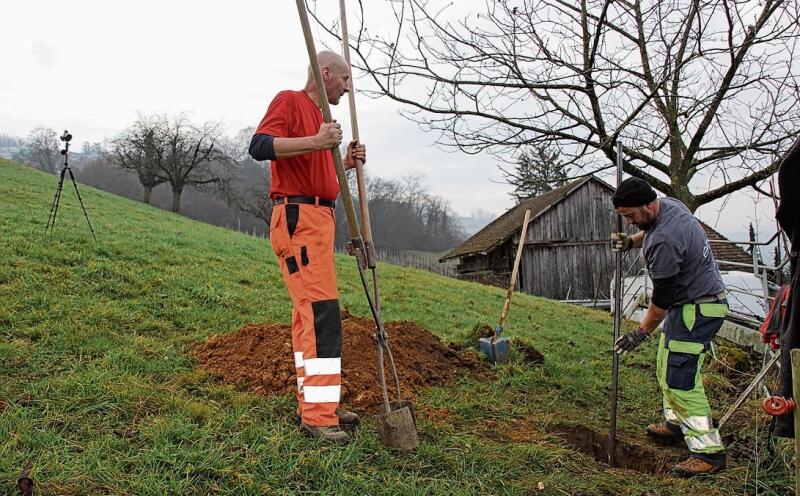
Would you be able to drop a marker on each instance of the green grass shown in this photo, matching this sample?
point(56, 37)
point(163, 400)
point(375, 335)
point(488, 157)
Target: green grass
point(101, 393)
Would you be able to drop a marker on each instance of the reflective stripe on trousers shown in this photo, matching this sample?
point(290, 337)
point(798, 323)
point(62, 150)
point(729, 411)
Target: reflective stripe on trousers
point(302, 238)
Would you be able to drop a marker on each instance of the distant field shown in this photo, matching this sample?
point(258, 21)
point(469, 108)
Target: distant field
point(98, 390)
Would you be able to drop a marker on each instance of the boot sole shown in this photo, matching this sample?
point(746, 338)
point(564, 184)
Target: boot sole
point(686, 474)
point(341, 440)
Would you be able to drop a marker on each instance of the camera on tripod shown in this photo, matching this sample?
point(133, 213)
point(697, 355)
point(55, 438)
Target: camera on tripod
point(51, 220)
point(66, 137)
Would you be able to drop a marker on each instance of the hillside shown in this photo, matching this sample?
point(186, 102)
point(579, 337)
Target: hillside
point(99, 390)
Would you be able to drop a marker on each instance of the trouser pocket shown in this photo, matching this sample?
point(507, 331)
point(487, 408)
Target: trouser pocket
point(683, 359)
point(681, 370)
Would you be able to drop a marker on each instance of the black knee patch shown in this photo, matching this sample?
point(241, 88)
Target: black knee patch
point(292, 217)
point(327, 328)
point(291, 265)
point(681, 370)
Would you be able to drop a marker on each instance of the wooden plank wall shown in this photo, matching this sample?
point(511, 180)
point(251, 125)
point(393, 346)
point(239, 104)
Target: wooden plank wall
point(567, 252)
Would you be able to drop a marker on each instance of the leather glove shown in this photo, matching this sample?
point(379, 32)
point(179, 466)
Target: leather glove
point(621, 242)
point(630, 341)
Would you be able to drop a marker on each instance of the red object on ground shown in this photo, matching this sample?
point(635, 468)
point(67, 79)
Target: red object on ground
point(778, 405)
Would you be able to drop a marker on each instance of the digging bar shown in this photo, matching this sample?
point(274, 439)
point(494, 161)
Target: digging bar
point(396, 427)
point(382, 338)
point(497, 347)
point(612, 434)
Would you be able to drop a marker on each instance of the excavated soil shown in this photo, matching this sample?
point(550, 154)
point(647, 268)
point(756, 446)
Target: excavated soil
point(259, 357)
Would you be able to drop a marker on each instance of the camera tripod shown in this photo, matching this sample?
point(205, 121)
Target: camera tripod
point(51, 220)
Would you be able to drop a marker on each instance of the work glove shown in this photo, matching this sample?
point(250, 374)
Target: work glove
point(621, 242)
point(630, 341)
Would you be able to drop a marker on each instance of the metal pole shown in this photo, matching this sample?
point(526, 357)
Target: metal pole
point(612, 435)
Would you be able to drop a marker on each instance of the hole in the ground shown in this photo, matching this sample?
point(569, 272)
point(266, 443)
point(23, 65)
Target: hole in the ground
point(628, 455)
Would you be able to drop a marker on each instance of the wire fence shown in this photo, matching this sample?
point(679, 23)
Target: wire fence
point(416, 259)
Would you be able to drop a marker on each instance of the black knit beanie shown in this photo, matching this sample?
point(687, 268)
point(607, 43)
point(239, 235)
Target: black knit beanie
point(633, 192)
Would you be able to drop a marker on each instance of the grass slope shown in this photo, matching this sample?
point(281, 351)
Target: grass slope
point(101, 394)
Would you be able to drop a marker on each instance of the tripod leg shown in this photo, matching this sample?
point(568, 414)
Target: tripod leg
point(51, 219)
point(80, 200)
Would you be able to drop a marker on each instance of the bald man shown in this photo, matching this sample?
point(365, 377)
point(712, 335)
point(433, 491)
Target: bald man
point(303, 190)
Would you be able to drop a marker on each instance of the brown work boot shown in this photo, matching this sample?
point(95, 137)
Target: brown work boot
point(332, 434)
point(665, 433)
point(347, 418)
point(694, 466)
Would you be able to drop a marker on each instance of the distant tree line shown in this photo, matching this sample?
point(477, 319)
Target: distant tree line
point(210, 177)
point(406, 216)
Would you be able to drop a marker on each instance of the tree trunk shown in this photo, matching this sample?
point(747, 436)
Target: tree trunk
point(176, 200)
point(148, 190)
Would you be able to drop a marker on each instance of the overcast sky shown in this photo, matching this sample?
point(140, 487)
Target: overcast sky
point(91, 66)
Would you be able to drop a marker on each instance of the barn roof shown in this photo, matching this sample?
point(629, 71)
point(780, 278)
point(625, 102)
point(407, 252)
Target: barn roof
point(726, 252)
point(504, 227)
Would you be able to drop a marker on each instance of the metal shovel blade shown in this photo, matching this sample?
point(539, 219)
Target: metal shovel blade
point(397, 428)
point(398, 404)
point(496, 350)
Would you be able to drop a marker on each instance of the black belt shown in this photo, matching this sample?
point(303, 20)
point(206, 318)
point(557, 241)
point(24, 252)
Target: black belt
point(305, 200)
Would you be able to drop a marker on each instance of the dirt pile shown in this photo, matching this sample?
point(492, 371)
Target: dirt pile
point(259, 358)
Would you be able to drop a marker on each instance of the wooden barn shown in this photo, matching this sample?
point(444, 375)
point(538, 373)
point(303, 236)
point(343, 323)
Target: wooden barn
point(567, 253)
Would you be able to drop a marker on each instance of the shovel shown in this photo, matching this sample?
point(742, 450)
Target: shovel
point(497, 347)
point(397, 425)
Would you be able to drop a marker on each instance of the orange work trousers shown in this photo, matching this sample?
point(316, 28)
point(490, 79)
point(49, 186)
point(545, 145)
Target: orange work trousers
point(302, 238)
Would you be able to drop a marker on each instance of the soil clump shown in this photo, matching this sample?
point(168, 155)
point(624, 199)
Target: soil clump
point(259, 357)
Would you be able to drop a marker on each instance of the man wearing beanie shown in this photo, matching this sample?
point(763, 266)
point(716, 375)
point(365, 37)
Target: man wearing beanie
point(689, 296)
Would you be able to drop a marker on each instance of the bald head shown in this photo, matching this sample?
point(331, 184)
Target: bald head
point(335, 76)
point(328, 60)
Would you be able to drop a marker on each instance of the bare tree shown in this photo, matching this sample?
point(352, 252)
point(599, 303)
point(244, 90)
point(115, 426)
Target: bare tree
point(141, 148)
point(191, 156)
point(162, 149)
point(41, 148)
point(697, 90)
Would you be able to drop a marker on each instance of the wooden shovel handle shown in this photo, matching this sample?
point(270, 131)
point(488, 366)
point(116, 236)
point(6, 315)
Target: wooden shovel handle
point(366, 226)
point(515, 271)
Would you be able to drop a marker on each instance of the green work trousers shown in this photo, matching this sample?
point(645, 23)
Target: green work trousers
point(688, 331)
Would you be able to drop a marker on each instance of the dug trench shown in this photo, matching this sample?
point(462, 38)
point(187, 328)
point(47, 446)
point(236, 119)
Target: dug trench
point(258, 358)
point(657, 460)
